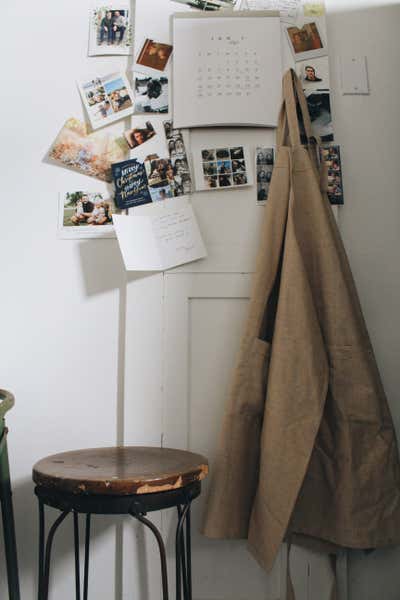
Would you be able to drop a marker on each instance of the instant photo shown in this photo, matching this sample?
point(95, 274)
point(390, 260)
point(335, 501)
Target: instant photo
point(154, 55)
point(110, 30)
point(107, 99)
point(264, 166)
point(222, 167)
point(330, 154)
point(159, 176)
point(89, 153)
point(319, 107)
point(131, 186)
point(86, 215)
point(314, 74)
point(139, 135)
point(180, 180)
point(151, 94)
point(308, 41)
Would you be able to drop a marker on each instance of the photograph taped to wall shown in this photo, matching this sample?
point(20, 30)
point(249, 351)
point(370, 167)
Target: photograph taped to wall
point(314, 73)
point(330, 154)
point(319, 107)
point(139, 135)
point(208, 4)
point(151, 93)
point(222, 167)
point(159, 176)
point(90, 153)
point(86, 215)
point(107, 98)
point(182, 180)
point(264, 166)
point(110, 30)
point(154, 55)
point(308, 41)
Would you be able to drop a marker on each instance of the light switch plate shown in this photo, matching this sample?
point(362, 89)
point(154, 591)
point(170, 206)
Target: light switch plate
point(354, 75)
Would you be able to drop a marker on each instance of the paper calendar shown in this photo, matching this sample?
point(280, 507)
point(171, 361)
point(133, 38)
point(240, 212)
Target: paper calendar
point(227, 69)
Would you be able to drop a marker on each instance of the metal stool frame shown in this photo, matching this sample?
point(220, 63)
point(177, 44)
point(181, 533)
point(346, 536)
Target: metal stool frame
point(135, 505)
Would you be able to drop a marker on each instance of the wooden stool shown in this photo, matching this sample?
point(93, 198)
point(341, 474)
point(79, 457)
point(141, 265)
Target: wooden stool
point(130, 480)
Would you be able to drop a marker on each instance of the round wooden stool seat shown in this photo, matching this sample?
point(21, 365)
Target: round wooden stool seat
point(120, 470)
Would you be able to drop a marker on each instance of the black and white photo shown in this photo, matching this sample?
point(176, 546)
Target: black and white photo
point(151, 93)
point(264, 168)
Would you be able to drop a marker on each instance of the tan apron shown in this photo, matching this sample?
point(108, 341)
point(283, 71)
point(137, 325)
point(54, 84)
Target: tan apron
point(308, 450)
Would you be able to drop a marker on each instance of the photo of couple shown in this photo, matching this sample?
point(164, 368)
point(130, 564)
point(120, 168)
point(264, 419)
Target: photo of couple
point(110, 30)
point(264, 168)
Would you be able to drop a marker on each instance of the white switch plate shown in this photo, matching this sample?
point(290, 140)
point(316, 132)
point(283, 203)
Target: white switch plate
point(354, 75)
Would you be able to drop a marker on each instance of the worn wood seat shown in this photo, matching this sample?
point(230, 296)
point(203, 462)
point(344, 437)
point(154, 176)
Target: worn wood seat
point(122, 470)
point(124, 480)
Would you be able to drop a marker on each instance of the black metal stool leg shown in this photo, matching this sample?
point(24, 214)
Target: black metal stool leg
point(10, 545)
point(45, 570)
point(77, 563)
point(86, 571)
point(161, 547)
point(41, 548)
point(183, 568)
point(189, 554)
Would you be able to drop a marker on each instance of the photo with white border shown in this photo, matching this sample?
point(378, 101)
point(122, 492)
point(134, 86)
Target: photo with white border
point(110, 30)
point(107, 98)
point(83, 214)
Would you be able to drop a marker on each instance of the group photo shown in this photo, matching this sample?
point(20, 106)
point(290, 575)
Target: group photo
point(110, 30)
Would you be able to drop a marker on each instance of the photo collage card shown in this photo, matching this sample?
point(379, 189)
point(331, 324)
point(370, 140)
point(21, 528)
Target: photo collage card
point(264, 166)
point(107, 98)
point(222, 168)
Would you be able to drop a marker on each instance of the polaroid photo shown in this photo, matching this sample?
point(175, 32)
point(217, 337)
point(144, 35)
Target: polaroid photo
point(154, 55)
point(208, 4)
point(308, 41)
point(110, 30)
point(107, 98)
point(139, 135)
point(319, 107)
point(181, 184)
point(86, 215)
point(314, 74)
point(330, 154)
point(222, 167)
point(89, 153)
point(151, 94)
point(265, 158)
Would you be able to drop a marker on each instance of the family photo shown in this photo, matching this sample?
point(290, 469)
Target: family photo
point(110, 30)
point(151, 94)
point(85, 214)
point(107, 98)
point(90, 153)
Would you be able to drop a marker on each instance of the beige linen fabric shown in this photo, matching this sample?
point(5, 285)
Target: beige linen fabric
point(308, 450)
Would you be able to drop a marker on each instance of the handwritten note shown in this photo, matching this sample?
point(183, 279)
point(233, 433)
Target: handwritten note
point(159, 237)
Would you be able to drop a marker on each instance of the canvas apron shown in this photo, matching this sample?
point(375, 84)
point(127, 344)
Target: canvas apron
point(308, 449)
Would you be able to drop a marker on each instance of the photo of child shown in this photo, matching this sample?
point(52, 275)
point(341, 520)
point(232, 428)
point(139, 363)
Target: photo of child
point(86, 214)
point(107, 99)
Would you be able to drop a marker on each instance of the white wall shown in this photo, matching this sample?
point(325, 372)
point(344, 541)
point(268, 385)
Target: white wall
point(62, 302)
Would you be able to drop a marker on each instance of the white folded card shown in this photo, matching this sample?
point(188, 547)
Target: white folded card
point(159, 236)
point(227, 68)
